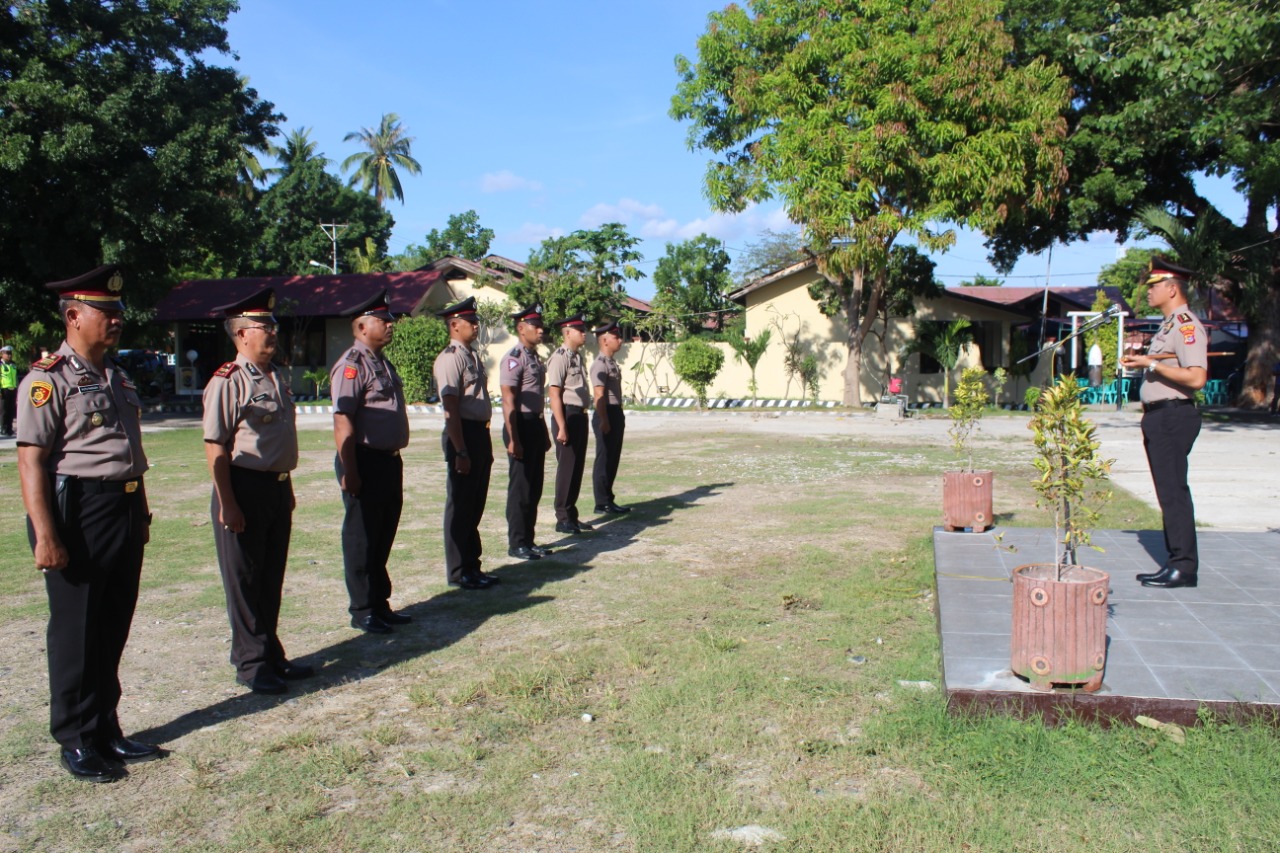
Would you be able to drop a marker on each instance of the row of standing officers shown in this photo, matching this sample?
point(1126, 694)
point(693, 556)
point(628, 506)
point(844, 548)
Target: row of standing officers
point(81, 466)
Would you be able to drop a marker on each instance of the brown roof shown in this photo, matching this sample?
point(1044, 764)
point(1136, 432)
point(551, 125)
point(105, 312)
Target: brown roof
point(1025, 298)
point(306, 295)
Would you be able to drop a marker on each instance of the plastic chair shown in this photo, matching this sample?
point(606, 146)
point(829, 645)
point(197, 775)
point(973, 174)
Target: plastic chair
point(1123, 392)
point(1108, 393)
point(1215, 392)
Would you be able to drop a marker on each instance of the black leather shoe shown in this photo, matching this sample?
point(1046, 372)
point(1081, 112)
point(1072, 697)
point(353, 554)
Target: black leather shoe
point(1172, 579)
point(370, 624)
point(487, 580)
point(88, 765)
point(264, 682)
point(1147, 576)
point(290, 671)
point(613, 509)
point(540, 551)
point(583, 527)
point(469, 583)
point(567, 527)
point(130, 751)
point(524, 552)
point(393, 618)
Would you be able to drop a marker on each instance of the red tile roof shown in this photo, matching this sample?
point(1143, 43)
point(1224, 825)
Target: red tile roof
point(306, 295)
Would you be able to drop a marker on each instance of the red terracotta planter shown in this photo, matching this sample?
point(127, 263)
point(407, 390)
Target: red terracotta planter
point(966, 500)
point(1059, 626)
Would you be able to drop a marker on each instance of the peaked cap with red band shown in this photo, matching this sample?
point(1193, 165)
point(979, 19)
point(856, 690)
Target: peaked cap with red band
point(466, 309)
point(100, 288)
point(611, 326)
point(1163, 269)
point(376, 306)
point(256, 307)
point(576, 320)
point(528, 314)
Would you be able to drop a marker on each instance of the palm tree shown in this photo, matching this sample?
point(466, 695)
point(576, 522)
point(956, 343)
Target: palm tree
point(376, 168)
point(942, 342)
point(299, 149)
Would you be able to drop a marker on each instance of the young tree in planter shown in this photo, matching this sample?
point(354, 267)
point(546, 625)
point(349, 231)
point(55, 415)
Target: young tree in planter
point(967, 494)
point(968, 406)
point(697, 362)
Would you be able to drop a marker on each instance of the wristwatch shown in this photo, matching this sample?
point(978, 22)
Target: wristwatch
point(461, 453)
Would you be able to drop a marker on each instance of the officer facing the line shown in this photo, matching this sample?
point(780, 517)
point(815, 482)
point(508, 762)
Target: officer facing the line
point(370, 428)
point(81, 463)
point(1177, 365)
point(608, 422)
point(570, 397)
point(468, 449)
point(251, 444)
point(525, 433)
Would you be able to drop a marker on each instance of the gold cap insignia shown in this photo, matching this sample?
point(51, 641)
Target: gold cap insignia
point(271, 301)
point(116, 283)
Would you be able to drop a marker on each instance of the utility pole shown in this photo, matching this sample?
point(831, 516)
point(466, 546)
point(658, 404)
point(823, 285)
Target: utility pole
point(337, 228)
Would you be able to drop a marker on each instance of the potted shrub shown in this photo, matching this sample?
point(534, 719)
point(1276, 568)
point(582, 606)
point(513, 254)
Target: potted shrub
point(1060, 609)
point(966, 494)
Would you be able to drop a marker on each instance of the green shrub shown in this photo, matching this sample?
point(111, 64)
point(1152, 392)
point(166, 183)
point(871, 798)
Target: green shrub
point(697, 363)
point(413, 351)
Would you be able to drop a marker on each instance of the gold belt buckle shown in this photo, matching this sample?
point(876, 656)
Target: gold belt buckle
point(282, 477)
point(130, 487)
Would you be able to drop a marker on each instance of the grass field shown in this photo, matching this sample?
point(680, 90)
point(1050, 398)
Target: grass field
point(718, 669)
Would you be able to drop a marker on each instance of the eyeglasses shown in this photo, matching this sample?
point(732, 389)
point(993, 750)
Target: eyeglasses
point(269, 328)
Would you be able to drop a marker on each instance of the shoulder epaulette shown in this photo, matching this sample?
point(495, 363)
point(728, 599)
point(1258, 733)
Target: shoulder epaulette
point(46, 363)
point(226, 370)
point(353, 354)
point(451, 348)
point(515, 351)
point(1184, 317)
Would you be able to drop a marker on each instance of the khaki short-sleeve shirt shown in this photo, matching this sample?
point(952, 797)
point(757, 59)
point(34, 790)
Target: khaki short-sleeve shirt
point(367, 389)
point(522, 370)
point(250, 411)
point(90, 421)
point(565, 371)
point(1184, 335)
point(606, 373)
point(460, 373)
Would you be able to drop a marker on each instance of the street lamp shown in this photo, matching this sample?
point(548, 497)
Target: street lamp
point(332, 270)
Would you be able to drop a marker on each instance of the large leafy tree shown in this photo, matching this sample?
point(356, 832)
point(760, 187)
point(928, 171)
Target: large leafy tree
point(463, 236)
point(692, 282)
point(298, 150)
point(582, 272)
point(872, 120)
point(1165, 92)
point(120, 141)
point(386, 148)
point(290, 214)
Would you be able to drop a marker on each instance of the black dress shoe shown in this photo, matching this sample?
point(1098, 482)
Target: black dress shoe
point(567, 527)
point(469, 583)
point(290, 671)
point(1171, 579)
point(264, 682)
point(583, 527)
point(612, 509)
point(130, 751)
point(524, 552)
point(88, 765)
point(540, 551)
point(488, 580)
point(1146, 576)
point(370, 624)
point(393, 618)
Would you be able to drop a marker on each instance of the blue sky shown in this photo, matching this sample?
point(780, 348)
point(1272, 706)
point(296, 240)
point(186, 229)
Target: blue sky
point(544, 116)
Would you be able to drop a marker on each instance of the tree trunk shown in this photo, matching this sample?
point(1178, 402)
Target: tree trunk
point(857, 326)
point(1264, 351)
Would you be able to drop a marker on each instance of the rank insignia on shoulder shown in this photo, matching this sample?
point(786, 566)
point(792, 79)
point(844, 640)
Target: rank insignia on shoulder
point(46, 363)
point(1184, 317)
point(353, 355)
point(349, 373)
point(226, 370)
point(41, 393)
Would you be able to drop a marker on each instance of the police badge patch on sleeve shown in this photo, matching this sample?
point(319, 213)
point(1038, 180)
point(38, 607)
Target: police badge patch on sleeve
point(349, 372)
point(41, 393)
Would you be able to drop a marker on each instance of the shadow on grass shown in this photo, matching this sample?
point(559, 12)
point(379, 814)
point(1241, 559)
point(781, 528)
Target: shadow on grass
point(443, 619)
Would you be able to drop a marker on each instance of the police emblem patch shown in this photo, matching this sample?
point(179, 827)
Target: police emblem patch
point(349, 373)
point(513, 363)
point(41, 393)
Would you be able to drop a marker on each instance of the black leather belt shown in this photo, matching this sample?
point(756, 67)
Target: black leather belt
point(378, 450)
point(276, 476)
point(1163, 404)
point(106, 487)
point(531, 416)
point(573, 410)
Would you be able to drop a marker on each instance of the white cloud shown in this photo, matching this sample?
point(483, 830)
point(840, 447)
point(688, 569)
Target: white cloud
point(533, 233)
point(650, 222)
point(628, 211)
point(506, 181)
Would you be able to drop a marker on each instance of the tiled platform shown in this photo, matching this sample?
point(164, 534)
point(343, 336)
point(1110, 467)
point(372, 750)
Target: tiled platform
point(1169, 652)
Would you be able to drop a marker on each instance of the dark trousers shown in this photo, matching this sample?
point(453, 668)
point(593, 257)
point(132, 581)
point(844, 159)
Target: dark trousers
point(8, 409)
point(369, 528)
point(571, 461)
point(252, 565)
point(91, 604)
point(608, 454)
point(465, 496)
point(525, 478)
point(1167, 435)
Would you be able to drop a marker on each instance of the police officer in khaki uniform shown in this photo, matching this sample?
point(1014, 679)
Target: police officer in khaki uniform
point(570, 398)
point(251, 444)
point(608, 422)
point(521, 377)
point(1176, 365)
point(81, 463)
point(468, 448)
point(370, 427)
